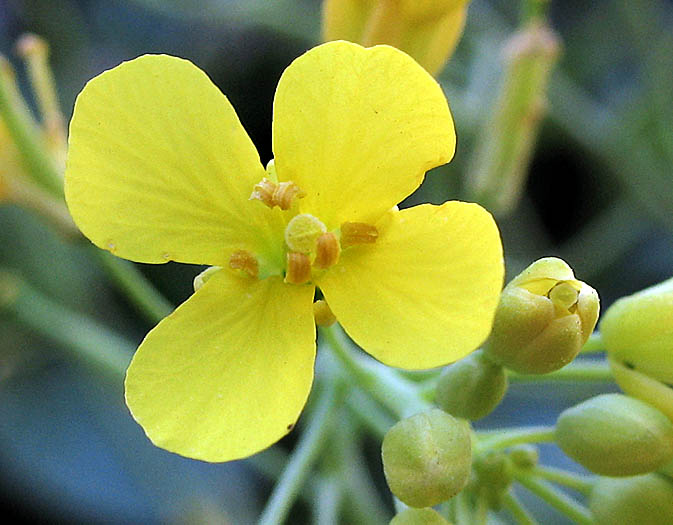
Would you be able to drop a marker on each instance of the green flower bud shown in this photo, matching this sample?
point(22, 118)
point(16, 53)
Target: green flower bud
point(494, 472)
point(472, 387)
point(544, 317)
point(641, 500)
point(419, 517)
point(616, 435)
point(427, 458)
point(524, 456)
point(638, 334)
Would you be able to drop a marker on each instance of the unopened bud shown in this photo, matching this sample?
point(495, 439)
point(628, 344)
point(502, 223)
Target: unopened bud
point(427, 458)
point(413, 516)
point(472, 387)
point(544, 317)
point(503, 151)
point(524, 456)
point(637, 334)
point(495, 474)
point(641, 500)
point(616, 435)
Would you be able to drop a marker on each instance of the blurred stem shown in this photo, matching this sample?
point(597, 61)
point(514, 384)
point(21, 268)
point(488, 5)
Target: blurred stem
point(25, 134)
point(88, 340)
point(564, 504)
point(594, 344)
point(517, 510)
point(304, 454)
point(590, 372)
point(328, 501)
point(134, 285)
point(514, 436)
point(532, 10)
point(481, 509)
point(397, 394)
point(577, 482)
point(369, 414)
point(463, 509)
point(364, 505)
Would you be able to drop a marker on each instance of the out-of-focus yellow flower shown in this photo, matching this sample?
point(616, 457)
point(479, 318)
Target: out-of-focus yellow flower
point(428, 30)
point(159, 168)
point(638, 335)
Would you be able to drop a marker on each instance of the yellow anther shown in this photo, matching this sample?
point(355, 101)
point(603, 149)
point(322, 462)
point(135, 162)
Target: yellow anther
point(358, 233)
point(276, 194)
point(263, 191)
point(298, 268)
point(327, 251)
point(244, 260)
point(285, 193)
point(323, 314)
point(302, 232)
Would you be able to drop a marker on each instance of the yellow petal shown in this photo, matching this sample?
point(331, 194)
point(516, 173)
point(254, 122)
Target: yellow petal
point(227, 374)
point(159, 167)
point(425, 293)
point(357, 129)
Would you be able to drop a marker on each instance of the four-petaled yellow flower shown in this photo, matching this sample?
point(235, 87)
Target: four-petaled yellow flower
point(159, 168)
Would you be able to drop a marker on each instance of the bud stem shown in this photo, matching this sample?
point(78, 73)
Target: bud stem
point(304, 455)
point(517, 510)
point(397, 394)
point(23, 131)
point(89, 341)
point(586, 372)
point(578, 482)
point(564, 504)
point(509, 437)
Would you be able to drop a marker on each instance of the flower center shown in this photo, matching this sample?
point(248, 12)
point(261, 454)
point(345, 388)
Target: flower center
point(309, 245)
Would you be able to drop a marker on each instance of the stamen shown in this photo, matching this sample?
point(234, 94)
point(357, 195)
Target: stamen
point(285, 193)
point(353, 233)
point(323, 314)
point(263, 191)
point(298, 268)
point(327, 251)
point(244, 260)
point(276, 194)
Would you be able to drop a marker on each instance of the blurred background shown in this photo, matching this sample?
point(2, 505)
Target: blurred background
point(599, 194)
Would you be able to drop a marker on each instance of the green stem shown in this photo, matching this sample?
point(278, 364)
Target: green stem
point(591, 372)
point(134, 285)
point(481, 510)
point(463, 510)
point(583, 484)
point(369, 414)
point(26, 136)
point(303, 456)
point(555, 498)
point(594, 344)
point(533, 10)
point(328, 500)
point(363, 501)
point(507, 438)
point(88, 340)
point(397, 394)
point(517, 510)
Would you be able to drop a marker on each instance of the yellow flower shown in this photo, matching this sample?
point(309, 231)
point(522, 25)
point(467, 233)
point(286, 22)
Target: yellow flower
point(159, 168)
point(428, 30)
